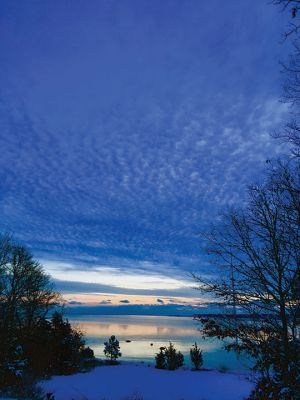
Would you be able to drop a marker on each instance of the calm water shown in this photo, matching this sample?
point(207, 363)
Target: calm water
point(158, 330)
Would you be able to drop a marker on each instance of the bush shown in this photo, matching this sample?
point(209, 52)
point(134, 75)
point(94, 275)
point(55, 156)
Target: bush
point(87, 353)
point(169, 358)
point(31, 346)
point(12, 367)
point(174, 359)
point(67, 344)
point(272, 388)
point(196, 356)
point(25, 388)
point(265, 389)
point(50, 347)
point(160, 359)
point(112, 349)
point(55, 347)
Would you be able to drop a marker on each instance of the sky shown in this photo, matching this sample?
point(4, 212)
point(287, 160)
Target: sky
point(126, 127)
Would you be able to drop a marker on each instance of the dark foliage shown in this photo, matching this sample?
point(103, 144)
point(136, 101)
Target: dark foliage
point(160, 359)
point(271, 388)
point(31, 346)
point(51, 347)
point(169, 358)
point(112, 349)
point(55, 347)
point(265, 389)
point(87, 353)
point(196, 356)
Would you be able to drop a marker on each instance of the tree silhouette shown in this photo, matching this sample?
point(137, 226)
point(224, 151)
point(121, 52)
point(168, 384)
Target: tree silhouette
point(112, 349)
point(257, 251)
point(30, 342)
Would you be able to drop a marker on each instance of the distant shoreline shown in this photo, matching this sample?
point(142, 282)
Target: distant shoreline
point(196, 316)
point(72, 314)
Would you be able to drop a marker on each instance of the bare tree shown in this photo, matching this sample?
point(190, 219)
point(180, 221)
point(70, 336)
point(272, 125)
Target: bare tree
point(291, 69)
point(293, 7)
point(26, 293)
point(291, 95)
point(257, 253)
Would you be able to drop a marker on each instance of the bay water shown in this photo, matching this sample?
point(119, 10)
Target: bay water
point(141, 337)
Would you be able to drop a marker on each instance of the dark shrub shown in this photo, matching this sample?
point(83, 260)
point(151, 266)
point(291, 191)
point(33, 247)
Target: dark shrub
point(174, 359)
point(112, 349)
point(87, 353)
point(50, 347)
point(196, 356)
point(67, 345)
point(160, 359)
point(169, 358)
point(12, 366)
point(265, 389)
point(30, 345)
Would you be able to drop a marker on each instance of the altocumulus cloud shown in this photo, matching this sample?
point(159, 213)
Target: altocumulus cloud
point(129, 146)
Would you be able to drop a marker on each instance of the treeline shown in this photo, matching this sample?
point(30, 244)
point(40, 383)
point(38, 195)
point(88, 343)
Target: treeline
point(35, 339)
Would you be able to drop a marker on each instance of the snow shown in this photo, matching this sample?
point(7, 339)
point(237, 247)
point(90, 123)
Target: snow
point(142, 382)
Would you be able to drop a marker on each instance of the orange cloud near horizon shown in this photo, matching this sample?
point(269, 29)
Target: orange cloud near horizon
point(113, 299)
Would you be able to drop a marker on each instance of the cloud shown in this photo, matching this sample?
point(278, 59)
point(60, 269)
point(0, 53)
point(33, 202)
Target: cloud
point(81, 287)
point(104, 302)
point(124, 301)
point(130, 275)
point(133, 161)
point(73, 302)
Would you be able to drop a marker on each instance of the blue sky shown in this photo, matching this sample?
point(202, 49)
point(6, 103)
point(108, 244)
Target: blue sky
point(127, 126)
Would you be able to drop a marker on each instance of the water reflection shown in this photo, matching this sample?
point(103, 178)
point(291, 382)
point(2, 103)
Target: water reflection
point(141, 331)
point(99, 329)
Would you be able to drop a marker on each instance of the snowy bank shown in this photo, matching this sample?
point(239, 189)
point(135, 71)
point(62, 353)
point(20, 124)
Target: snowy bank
point(130, 381)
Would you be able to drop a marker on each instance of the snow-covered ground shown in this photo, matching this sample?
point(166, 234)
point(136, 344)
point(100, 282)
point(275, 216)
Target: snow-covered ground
point(130, 381)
